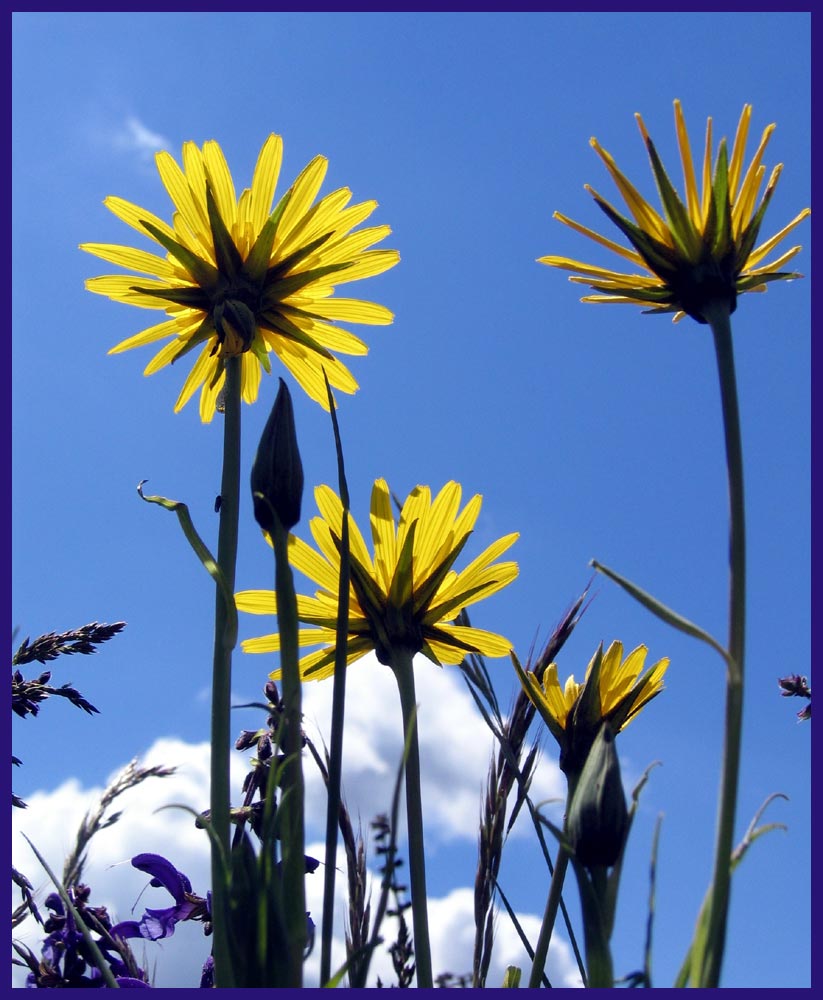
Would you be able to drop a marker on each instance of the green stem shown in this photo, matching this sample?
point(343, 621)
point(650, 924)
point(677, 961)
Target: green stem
point(404, 672)
point(292, 832)
point(718, 318)
point(221, 675)
point(335, 753)
point(552, 902)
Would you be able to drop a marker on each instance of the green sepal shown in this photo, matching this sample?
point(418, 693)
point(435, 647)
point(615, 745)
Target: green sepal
point(586, 714)
point(228, 259)
point(750, 234)
point(278, 323)
point(400, 590)
point(680, 225)
point(183, 295)
point(200, 336)
point(428, 588)
point(205, 274)
point(618, 716)
point(258, 349)
point(723, 242)
point(436, 613)
point(661, 259)
point(662, 295)
point(278, 289)
point(259, 258)
point(283, 267)
point(752, 281)
point(554, 727)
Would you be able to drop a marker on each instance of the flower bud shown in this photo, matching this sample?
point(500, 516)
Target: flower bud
point(277, 473)
point(597, 819)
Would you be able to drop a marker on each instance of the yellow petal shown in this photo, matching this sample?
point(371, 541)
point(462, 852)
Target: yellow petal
point(219, 175)
point(264, 181)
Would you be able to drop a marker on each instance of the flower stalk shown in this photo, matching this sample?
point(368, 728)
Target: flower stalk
point(292, 831)
point(402, 667)
point(541, 949)
point(224, 640)
point(718, 319)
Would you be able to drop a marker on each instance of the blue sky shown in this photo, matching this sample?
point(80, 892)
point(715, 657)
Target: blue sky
point(593, 431)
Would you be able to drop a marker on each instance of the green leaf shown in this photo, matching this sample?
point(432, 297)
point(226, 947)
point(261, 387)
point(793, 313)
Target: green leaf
point(665, 614)
point(94, 950)
point(203, 554)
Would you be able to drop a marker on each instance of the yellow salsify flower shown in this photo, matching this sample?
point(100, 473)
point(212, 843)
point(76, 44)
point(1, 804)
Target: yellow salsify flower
point(239, 279)
point(406, 597)
point(696, 253)
point(614, 690)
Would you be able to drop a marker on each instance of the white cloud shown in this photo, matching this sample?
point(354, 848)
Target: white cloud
point(135, 137)
point(455, 746)
point(455, 750)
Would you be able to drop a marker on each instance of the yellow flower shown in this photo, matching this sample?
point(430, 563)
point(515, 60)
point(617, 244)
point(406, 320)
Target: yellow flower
point(407, 596)
point(239, 279)
point(612, 691)
point(701, 251)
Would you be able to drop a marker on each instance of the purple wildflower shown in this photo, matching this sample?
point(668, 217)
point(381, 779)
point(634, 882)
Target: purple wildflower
point(156, 924)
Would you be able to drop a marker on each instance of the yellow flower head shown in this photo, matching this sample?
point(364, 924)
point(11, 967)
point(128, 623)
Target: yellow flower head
point(407, 596)
point(240, 280)
point(612, 691)
point(698, 252)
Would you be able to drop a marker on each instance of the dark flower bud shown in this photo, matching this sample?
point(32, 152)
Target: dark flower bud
point(277, 473)
point(597, 819)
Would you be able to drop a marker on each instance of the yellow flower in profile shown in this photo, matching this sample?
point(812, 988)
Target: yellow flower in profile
point(239, 279)
point(406, 597)
point(697, 252)
point(614, 690)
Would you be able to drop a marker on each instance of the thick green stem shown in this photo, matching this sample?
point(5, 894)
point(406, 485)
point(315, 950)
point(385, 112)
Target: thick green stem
point(552, 902)
point(221, 674)
point(404, 672)
point(718, 319)
point(292, 832)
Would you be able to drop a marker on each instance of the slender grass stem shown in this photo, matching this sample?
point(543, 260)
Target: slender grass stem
point(541, 949)
point(292, 831)
point(718, 318)
point(221, 674)
point(404, 672)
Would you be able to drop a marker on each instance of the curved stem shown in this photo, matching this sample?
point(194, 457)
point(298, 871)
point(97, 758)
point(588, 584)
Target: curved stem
point(403, 670)
point(221, 674)
point(718, 318)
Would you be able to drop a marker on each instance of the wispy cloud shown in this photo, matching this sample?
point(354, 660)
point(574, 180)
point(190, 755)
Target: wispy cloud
point(135, 137)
